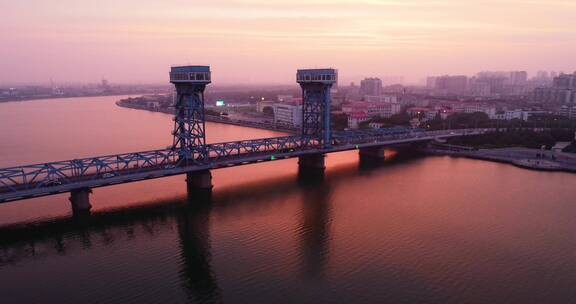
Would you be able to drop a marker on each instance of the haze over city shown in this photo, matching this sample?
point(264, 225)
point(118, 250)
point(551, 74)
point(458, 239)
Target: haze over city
point(256, 41)
point(287, 151)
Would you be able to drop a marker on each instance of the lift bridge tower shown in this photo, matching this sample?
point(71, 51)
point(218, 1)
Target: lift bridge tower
point(189, 128)
point(316, 99)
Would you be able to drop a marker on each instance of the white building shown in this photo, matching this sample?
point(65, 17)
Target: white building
point(511, 114)
point(288, 114)
point(568, 111)
point(383, 109)
point(381, 98)
point(372, 109)
point(479, 107)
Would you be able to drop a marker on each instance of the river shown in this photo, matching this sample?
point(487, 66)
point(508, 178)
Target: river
point(420, 230)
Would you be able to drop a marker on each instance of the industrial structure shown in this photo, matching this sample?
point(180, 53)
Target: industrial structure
point(189, 126)
point(189, 154)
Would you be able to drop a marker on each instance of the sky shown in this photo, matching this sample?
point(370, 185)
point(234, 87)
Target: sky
point(265, 41)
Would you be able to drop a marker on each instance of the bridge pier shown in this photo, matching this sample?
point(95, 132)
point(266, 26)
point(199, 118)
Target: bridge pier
point(311, 165)
point(80, 200)
point(372, 154)
point(199, 184)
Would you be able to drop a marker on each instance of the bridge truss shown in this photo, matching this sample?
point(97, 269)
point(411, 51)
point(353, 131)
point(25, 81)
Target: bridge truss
point(62, 176)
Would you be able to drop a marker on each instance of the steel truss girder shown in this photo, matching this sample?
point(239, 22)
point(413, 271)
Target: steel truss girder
point(46, 176)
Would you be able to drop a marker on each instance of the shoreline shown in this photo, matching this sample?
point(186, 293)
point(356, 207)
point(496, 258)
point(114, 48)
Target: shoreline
point(70, 96)
point(215, 119)
point(500, 156)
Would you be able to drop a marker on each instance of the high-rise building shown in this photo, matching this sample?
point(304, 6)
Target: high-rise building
point(542, 74)
point(288, 114)
point(451, 84)
point(371, 87)
point(565, 81)
point(494, 82)
point(518, 77)
point(431, 82)
point(563, 90)
point(568, 111)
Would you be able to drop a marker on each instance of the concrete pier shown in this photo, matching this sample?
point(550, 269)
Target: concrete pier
point(372, 154)
point(80, 200)
point(199, 184)
point(311, 166)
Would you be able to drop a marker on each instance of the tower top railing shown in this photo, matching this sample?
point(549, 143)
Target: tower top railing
point(325, 76)
point(196, 74)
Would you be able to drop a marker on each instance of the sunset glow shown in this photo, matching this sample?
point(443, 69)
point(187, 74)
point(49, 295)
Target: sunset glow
point(255, 41)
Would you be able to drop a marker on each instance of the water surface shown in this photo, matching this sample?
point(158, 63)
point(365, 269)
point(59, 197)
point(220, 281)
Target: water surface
point(429, 230)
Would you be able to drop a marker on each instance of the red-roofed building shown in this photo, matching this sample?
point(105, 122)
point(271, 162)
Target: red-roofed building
point(371, 109)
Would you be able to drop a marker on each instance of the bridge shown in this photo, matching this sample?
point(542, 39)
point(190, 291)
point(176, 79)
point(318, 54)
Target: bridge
point(189, 154)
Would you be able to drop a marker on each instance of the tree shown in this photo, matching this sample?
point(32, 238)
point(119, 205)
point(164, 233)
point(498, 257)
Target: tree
point(339, 121)
point(268, 111)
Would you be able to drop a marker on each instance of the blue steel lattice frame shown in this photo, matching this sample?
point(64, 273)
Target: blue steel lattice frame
point(54, 174)
point(55, 177)
point(189, 135)
point(316, 100)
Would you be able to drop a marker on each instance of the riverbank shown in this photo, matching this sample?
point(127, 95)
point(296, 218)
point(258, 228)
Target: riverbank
point(533, 159)
point(50, 97)
point(212, 118)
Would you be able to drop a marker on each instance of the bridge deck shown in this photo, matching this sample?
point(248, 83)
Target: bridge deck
point(36, 180)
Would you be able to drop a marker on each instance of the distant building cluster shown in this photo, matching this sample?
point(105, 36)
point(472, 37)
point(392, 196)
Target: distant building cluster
point(562, 90)
point(442, 109)
point(484, 84)
point(369, 102)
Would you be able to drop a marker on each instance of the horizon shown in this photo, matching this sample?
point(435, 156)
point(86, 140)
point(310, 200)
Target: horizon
point(137, 41)
point(214, 83)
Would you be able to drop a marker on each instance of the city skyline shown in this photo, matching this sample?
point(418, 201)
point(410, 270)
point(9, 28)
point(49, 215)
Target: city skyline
point(255, 41)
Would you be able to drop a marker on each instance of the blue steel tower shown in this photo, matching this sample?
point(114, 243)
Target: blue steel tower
point(316, 99)
point(189, 129)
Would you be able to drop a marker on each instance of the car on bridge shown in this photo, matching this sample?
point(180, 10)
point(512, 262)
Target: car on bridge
point(52, 182)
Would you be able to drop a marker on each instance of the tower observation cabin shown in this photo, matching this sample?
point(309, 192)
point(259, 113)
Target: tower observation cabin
point(323, 76)
point(193, 74)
